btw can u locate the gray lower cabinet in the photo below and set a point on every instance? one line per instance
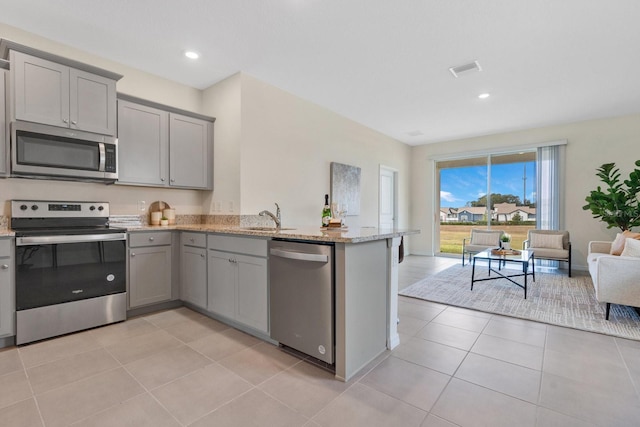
(55, 94)
(238, 280)
(150, 273)
(7, 288)
(159, 147)
(193, 269)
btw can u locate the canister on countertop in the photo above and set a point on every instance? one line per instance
(170, 214)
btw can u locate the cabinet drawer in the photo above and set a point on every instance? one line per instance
(242, 245)
(5, 247)
(154, 238)
(193, 239)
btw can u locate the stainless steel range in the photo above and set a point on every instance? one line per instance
(70, 268)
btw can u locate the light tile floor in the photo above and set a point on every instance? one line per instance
(453, 367)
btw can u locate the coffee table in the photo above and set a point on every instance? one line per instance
(524, 257)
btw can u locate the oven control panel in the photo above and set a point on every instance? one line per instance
(58, 209)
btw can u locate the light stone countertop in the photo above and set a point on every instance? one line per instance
(309, 233)
(356, 235)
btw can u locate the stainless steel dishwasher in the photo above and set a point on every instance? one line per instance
(302, 297)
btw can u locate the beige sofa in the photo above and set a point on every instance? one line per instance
(615, 278)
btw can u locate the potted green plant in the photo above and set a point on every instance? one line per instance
(505, 240)
(617, 205)
(164, 220)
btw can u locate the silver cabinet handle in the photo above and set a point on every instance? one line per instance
(162, 179)
(5, 266)
(133, 254)
(202, 255)
(151, 239)
(192, 240)
(73, 122)
(65, 121)
(173, 180)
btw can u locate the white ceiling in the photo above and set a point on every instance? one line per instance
(381, 63)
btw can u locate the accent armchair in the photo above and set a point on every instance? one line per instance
(616, 279)
(553, 245)
(479, 241)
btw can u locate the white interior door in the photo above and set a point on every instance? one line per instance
(387, 209)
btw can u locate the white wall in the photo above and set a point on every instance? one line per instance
(223, 101)
(590, 144)
(287, 147)
(124, 199)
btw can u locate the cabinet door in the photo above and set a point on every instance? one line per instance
(193, 276)
(252, 292)
(189, 152)
(149, 275)
(4, 136)
(41, 90)
(92, 105)
(143, 144)
(7, 298)
(221, 284)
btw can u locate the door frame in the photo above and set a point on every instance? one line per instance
(394, 173)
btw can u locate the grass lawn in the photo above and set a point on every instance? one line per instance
(451, 235)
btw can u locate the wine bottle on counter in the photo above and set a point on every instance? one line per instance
(326, 212)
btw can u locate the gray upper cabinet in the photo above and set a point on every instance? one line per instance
(189, 152)
(160, 147)
(4, 135)
(143, 138)
(55, 94)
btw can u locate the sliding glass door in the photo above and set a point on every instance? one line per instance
(494, 191)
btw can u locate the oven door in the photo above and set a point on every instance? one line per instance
(57, 269)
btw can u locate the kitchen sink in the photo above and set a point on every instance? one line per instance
(265, 228)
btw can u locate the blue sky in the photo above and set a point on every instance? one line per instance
(461, 185)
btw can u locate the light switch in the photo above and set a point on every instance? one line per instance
(142, 206)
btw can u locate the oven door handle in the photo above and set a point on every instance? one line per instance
(79, 238)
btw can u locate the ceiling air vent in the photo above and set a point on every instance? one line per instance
(465, 69)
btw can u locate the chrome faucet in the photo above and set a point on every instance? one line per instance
(276, 218)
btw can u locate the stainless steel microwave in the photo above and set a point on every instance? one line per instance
(41, 151)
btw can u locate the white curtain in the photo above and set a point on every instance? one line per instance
(550, 188)
(550, 200)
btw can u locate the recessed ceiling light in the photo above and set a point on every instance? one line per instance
(484, 95)
(191, 54)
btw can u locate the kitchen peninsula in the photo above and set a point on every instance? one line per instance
(366, 283)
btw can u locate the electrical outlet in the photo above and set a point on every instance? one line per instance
(142, 205)
(218, 207)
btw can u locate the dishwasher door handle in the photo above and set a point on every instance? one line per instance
(299, 256)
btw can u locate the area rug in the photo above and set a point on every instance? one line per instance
(553, 298)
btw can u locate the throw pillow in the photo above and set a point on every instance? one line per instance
(547, 241)
(485, 239)
(619, 243)
(631, 248)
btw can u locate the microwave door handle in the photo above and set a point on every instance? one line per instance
(102, 156)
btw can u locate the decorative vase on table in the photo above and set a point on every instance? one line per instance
(506, 246)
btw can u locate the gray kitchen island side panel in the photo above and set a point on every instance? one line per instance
(361, 305)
